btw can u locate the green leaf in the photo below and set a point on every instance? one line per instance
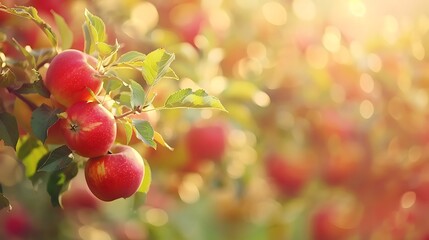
(144, 132)
(31, 13)
(56, 160)
(59, 180)
(65, 32)
(156, 65)
(108, 53)
(138, 96)
(112, 84)
(98, 24)
(140, 195)
(30, 58)
(8, 129)
(130, 57)
(7, 78)
(4, 203)
(171, 74)
(124, 98)
(186, 98)
(94, 32)
(35, 87)
(42, 56)
(30, 150)
(42, 119)
(128, 130)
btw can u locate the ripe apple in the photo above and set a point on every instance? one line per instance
(116, 175)
(89, 129)
(206, 142)
(69, 76)
(287, 175)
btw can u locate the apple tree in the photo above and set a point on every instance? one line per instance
(63, 109)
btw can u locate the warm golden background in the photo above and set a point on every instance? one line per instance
(326, 135)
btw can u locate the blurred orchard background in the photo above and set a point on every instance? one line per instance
(326, 135)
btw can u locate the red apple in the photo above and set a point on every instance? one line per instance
(206, 142)
(70, 75)
(89, 129)
(115, 175)
(287, 175)
(16, 224)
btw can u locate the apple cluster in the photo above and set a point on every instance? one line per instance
(89, 129)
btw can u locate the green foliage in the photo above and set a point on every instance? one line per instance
(138, 96)
(31, 13)
(30, 58)
(30, 150)
(56, 160)
(42, 119)
(65, 32)
(8, 129)
(59, 180)
(144, 132)
(7, 77)
(193, 99)
(156, 65)
(131, 58)
(57, 167)
(35, 87)
(94, 32)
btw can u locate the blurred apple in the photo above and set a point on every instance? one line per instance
(334, 222)
(289, 176)
(206, 141)
(343, 164)
(16, 224)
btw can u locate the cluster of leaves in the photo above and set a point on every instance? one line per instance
(58, 164)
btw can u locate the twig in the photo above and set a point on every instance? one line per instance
(29, 103)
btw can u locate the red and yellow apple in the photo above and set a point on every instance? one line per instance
(70, 76)
(116, 175)
(89, 129)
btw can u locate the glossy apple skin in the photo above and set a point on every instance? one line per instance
(116, 175)
(70, 74)
(206, 142)
(89, 129)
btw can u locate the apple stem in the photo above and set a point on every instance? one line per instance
(29, 103)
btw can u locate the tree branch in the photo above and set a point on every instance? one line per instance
(29, 103)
